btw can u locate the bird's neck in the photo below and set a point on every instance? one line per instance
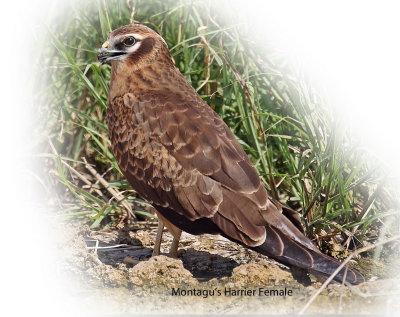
(158, 75)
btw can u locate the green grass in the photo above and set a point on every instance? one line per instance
(304, 156)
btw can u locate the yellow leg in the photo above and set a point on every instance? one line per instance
(173, 251)
(157, 244)
(176, 233)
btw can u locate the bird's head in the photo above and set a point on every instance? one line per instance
(134, 45)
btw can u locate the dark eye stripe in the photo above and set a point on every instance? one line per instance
(146, 45)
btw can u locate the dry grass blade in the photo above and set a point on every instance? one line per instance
(117, 195)
(74, 171)
(82, 178)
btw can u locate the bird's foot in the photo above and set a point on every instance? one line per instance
(172, 254)
(176, 253)
(129, 260)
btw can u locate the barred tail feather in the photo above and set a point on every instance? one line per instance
(292, 253)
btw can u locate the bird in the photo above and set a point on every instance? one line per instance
(180, 156)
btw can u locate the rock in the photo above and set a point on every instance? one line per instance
(261, 273)
(110, 276)
(160, 272)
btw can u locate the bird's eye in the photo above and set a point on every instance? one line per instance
(129, 41)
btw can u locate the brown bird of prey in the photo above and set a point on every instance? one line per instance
(179, 155)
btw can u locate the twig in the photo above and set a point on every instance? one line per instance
(339, 311)
(74, 171)
(364, 213)
(102, 175)
(121, 249)
(107, 186)
(330, 278)
(83, 178)
(116, 246)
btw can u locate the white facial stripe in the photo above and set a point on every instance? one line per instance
(138, 37)
(133, 48)
(141, 37)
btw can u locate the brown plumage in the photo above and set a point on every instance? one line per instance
(178, 154)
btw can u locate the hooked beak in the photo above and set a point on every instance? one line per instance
(106, 54)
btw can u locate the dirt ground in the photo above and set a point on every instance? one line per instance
(113, 272)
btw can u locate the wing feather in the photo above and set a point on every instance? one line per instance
(182, 156)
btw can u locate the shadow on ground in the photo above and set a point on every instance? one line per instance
(203, 265)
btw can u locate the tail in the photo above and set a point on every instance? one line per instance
(289, 252)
